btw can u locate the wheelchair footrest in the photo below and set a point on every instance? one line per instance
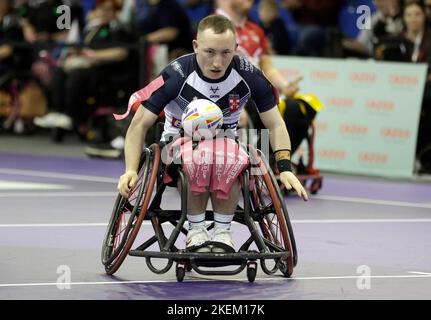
(184, 255)
(195, 260)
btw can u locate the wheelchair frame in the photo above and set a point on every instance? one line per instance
(275, 241)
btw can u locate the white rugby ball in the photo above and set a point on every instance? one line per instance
(201, 118)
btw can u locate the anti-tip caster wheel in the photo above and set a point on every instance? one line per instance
(180, 272)
(251, 271)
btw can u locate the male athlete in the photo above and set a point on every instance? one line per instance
(215, 73)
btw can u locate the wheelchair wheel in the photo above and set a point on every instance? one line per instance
(128, 213)
(274, 222)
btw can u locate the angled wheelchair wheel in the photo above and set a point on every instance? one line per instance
(128, 213)
(274, 222)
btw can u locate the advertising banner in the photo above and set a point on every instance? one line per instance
(370, 120)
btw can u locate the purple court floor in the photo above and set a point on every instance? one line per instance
(358, 238)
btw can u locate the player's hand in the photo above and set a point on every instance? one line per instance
(127, 182)
(291, 181)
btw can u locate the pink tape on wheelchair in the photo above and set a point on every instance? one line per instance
(171, 149)
(230, 161)
(214, 165)
(197, 165)
(141, 95)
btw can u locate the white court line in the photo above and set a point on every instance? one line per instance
(206, 280)
(71, 176)
(360, 220)
(374, 201)
(417, 272)
(57, 175)
(58, 194)
(147, 223)
(109, 194)
(56, 225)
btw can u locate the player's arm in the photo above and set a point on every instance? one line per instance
(135, 137)
(280, 143)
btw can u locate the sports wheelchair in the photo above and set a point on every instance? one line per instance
(262, 210)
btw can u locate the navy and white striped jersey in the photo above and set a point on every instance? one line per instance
(183, 82)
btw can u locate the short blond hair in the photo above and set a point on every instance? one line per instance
(219, 24)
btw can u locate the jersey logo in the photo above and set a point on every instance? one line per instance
(177, 67)
(214, 90)
(233, 102)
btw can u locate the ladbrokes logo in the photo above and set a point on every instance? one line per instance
(363, 77)
(339, 102)
(287, 73)
(320, 126)
(373, 158)
(395, 133)
(403, 80)
(353, 129)
(380, 105)
(332, 154)
(324, 75)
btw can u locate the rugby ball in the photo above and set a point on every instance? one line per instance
(201, 119)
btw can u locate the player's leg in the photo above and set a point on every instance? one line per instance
(197, 233)
(224, 210)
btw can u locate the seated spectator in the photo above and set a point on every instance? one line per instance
(427, 4)
(313, 19)
(102, 64)
(274, 27)
(40, 21)
(419, 36)
(16, 83)
(197, 10)
(165, 22)
(386, 22)
(11, 56)
(414, 45)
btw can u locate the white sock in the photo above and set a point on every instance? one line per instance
(222, 221)
(196, 220)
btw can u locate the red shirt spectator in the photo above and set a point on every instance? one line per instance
(252, 41)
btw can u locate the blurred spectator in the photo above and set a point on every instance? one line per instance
(414, 45)
(253, 44)
(164, 25)
(165, 22)
(97, 70)
(274, 27)
(126, 15)
(313, 18)
(428, 12)
(39, 21)
(419, 36)
(197, 10)
(386, 22)
(11, 57)
(21, 96)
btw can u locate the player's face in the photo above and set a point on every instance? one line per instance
(214, 52)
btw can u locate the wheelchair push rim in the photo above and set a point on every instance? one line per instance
(128, 213)
(274, 224)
